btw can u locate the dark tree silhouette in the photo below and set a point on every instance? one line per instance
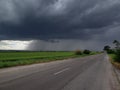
(106, 48)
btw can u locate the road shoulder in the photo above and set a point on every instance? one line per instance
(116, 74)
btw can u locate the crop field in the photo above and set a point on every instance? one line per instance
(8, 59)
(11, 58)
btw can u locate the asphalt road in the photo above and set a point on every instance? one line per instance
(88, 73)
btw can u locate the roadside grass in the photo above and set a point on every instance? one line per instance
(9, 59)
(112, 59)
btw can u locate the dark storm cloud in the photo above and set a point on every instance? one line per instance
(56, 19)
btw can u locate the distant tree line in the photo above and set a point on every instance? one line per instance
(79, 52)
(115, 50)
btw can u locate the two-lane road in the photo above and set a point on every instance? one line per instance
(88, 73)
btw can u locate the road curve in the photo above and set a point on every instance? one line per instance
(88, 73)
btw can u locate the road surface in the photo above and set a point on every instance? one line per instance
(88, 73)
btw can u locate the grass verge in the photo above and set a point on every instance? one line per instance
(112, 59)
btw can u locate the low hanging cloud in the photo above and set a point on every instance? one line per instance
(44, 20)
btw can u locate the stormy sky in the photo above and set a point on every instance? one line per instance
(58, 24)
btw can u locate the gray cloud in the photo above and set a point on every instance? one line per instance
(82, 20)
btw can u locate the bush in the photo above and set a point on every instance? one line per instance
(86, 51)
(110, 51)
(78, 52)
(117, 56)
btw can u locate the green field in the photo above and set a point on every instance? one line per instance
(8, 59)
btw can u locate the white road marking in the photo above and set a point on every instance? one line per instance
(61, 71)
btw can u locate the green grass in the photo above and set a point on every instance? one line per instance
(113, 61)
(9, 59)
(112, 56)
